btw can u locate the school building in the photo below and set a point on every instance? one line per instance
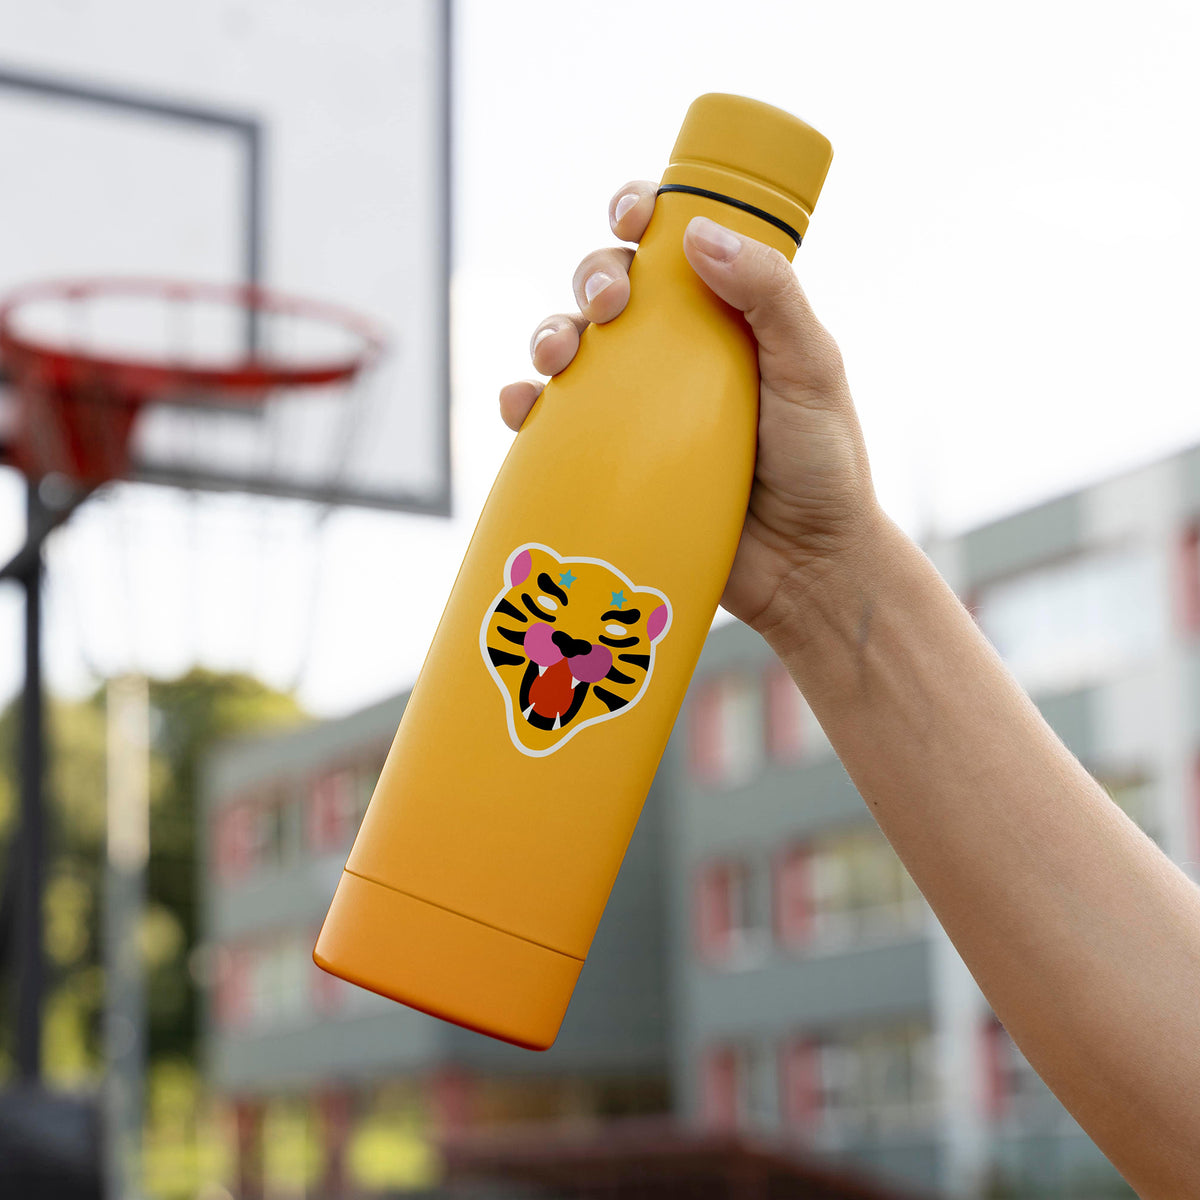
(765, 964)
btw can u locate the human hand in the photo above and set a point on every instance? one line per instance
(812, 503)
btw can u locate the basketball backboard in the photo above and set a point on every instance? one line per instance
(301, 146)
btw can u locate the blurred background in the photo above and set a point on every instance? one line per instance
(222, 647)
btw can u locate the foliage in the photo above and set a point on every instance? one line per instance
(188, 715)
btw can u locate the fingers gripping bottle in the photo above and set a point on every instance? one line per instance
(535, 727)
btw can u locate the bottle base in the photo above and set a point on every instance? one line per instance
(445, 964)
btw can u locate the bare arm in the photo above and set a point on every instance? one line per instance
(1084, 937)
(1082, 934)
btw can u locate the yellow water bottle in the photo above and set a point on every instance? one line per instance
(535, 727)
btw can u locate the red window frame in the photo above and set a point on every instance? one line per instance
(722, 1083)
(231, 995)
(792, 895)
(705, 746)
(713, 913)
(994, 1049)
(326, 992)
(233, 839)
(1187, 579)
(800, 1083)
(786, 737)
(332, 809)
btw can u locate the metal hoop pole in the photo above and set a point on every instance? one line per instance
(31, 966)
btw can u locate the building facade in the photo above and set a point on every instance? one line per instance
(765, 962)
(335, 1090)
(814, 995)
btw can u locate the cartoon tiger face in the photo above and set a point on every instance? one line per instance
(570, 642)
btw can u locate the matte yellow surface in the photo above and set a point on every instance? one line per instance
(640, 454)
(754, 152)
(456, 969)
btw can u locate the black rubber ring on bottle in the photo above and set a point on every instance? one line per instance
(757, 212)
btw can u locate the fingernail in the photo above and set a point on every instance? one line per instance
(595, 283)
(543, 335)
(714, 240)
(623, 205)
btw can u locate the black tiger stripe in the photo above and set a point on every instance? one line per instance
(502, 658)
(611, 702)
(512, 635)
(638, 660)
(548, 585)
(617, 677)
(627, 616)
(511, 610)
(617, 642)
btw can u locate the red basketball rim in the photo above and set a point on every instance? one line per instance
(150, 377)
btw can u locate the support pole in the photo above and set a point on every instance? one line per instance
(31, 967)
(128, 846)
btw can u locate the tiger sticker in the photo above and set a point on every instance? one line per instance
(570, 643)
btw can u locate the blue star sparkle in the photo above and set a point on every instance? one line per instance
(618, 599)
(567, 579)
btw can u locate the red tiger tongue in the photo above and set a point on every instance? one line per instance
(551, 692)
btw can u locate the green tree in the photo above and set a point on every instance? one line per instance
(188, 716)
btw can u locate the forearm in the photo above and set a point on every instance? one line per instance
(1083, 936)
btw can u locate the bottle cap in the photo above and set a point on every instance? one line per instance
(754, 153)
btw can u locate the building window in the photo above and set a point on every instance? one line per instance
(1012, 1086)
(728, 921)
(800, 1084)
(233, 837)
(793, 896)
(1187, 580)
(726, 730)
(327, 993)
(265, 982)
(332, 811)
(366, 776)
(873, 1080)
(270, 831)
(1071, 623)
(725, 1086)
(231, 998)
(898, 1070)
(252, 834)
(787, 717)
(860, 888)
(715, 905)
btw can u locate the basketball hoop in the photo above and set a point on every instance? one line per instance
(87, 356)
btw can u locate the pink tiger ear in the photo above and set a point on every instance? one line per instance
(519, 569)
(656, 622)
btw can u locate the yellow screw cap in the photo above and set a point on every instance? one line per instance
(753, 152)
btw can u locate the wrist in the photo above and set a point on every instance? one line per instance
(827, 602)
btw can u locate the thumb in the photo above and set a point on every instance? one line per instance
(795, 349)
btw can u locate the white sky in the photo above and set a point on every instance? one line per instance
(1004, 250)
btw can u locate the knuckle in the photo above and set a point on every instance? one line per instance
(827, 354)
(820, 363)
